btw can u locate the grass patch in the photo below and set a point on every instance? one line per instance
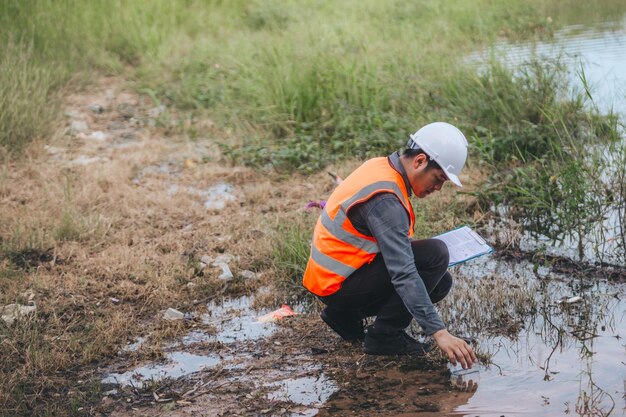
(291, 249)
(307, 83)
(39, 56)
(26, 104)
(550, 154)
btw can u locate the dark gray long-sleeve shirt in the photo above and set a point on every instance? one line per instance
(385, 218)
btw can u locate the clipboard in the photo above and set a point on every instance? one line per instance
(464, 244)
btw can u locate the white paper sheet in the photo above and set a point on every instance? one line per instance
(463, 244)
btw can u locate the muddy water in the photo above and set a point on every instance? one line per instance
(176, 364)
(236, 322)
(570, 358)
(567, 358)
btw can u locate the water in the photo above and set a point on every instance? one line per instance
(308, 390)
(176, 364)
(236, 322)
(563, 359)
(598, 52)
(567, 356)
(554, 375)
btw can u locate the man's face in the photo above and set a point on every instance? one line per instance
(425, 181)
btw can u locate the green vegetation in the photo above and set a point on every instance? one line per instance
(551, 155)
(47, 44)
(291, 252)
(335, 74)
(289, 86)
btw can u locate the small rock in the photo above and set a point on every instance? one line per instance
(226, 274)
(218, 196)
(97, 136)
(223, 258)
(85, 160)
(171, 314)
(114, 300)
(246, 274)
(78, 126)
(206, 259)
(191, 284)
(12, 312)
(53, 150)
(156, 111)
(96, 108)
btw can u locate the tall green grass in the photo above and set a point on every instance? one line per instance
(552, 156)
(328, 78)
(46, 44)
(307, 83)
(292, 246)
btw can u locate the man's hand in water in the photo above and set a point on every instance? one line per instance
(455, 348)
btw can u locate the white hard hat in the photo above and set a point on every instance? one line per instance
(444, 144)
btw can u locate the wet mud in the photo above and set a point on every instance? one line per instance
(568, 357)
(540, 354)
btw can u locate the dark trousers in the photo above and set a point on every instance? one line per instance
(369, 292)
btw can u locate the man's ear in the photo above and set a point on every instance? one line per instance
(420, 161)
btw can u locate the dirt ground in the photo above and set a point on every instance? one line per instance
(124, 211)
(123, 216)
(317, 364)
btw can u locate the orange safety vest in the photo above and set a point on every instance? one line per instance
(338, 249)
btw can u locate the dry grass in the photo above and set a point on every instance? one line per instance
(105, 247)
(82, 237)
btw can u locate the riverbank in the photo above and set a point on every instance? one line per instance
(178, 179)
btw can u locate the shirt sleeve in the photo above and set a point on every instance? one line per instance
(387, 220)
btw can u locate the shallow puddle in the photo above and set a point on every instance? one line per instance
(552, 371)
(568, 358)
(177, 364)
(308, 390)
(235, 320)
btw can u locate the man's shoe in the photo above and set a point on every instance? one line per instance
(395, 343)
(349, 329)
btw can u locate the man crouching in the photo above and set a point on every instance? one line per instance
(363, 261)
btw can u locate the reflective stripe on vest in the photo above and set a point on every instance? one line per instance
(338, 249)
